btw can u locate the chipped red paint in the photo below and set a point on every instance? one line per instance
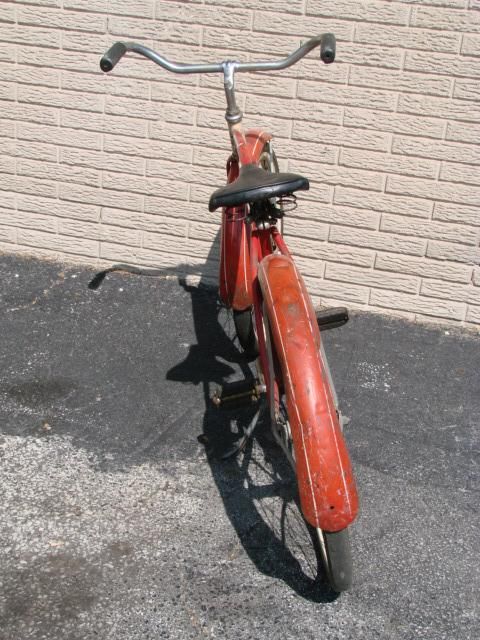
(326, 484)
(282, 247)
(235, 281)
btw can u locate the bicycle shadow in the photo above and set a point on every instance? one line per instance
(257, 487)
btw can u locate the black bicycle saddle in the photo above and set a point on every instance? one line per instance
(254, 184)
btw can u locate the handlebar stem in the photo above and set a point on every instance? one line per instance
(233, 115)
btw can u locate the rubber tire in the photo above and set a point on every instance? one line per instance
(339, 558)
(245, 330)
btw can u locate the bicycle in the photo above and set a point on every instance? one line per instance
(274, 317)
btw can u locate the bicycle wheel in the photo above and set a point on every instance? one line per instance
(333, 548)
(243, 320)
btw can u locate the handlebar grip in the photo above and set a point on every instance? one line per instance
(327, 48)
(113, 55)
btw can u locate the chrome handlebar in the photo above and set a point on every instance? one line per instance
(228, 67)
(119, 49)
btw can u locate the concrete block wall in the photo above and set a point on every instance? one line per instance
(99, 168)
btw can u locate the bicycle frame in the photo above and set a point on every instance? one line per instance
(257, 272)
(252, 273)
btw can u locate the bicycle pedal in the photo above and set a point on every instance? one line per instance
(331, 318)
(237, 394)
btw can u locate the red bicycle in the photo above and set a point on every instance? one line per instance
(274, 317)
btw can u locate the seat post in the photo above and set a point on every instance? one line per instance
(233, 115)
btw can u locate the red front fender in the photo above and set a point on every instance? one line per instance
(235, 269)
(326, 484)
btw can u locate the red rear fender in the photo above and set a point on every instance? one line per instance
(325, 479)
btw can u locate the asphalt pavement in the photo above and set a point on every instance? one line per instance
(118, 518)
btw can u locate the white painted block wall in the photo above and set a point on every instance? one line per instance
(98, 168)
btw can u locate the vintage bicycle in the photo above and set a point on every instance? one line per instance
(274, 317)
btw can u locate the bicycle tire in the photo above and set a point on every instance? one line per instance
(336, 555)
(245, 330)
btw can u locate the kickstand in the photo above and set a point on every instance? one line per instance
(240, 445)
